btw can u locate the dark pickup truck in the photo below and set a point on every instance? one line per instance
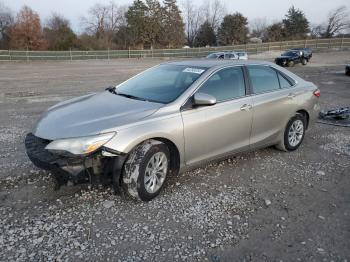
(294, 56)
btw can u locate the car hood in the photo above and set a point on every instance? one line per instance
(284, 56)
(90, 115)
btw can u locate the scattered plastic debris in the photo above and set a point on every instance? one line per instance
(338, 116)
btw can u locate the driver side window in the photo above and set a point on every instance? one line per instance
(225, 84)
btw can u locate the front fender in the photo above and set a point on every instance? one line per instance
(170, 128)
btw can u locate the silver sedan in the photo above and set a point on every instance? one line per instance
(171, 118)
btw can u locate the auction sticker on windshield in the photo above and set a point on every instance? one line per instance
(193, 70)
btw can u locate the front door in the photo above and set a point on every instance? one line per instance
(212, 131)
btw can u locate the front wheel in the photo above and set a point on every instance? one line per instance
(293, 134)
(146, 169)
(290, 63)
(303, 61)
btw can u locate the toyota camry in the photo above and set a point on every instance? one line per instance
(171, 118)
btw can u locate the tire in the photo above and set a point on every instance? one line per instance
(290, 63)
(303, 61)
(287, 143)
(138, 179)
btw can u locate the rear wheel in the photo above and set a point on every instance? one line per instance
(293, 134)
(146, 170)
(290, 63)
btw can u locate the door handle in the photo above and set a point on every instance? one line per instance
(291, 95)
(246, 107)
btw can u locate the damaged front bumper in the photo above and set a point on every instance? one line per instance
(102, 166)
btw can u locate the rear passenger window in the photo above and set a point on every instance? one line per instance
(263, 79)
(284, 82)
(225, 85)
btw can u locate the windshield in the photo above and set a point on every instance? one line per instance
(162, 84)
(215, 55)
(289, 53)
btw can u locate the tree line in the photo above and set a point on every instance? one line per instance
(158, 24)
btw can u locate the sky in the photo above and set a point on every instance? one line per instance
(273, 10)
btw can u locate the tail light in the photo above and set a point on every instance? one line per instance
(317, 93)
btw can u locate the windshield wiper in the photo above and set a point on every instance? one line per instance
(131, 96)
(112, 89)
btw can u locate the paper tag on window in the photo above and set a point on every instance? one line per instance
(193, 70)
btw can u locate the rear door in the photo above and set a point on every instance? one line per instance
(272, 104)
(211, 131)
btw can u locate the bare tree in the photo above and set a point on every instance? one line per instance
(56, 21)
(58, 33)
(6, 21)
(338, 20)
(316, 30)
(104, 20)
(258, 27)
(214, 12)
(193, 20)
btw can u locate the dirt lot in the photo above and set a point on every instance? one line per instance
(264, 205)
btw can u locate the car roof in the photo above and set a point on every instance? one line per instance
(220, 53)
(217, 63)
(299, 48)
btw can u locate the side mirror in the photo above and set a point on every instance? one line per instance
(202, 99)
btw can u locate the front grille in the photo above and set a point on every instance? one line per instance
(280, 61)
(35, 147)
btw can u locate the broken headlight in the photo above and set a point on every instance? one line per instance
(80, 145)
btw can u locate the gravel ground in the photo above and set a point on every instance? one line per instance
(265, 205)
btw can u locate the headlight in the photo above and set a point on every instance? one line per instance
(80, 145)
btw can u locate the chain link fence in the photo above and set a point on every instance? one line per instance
(315, 44)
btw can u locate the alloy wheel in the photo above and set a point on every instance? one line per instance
(155, 172)
(295, 133)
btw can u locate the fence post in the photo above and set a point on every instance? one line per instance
(27, 55)
(305, 43)
(152, 51)
(70, 53)
(129, 52)
(10, 54)
(329, 43)
(341, 42)
(108, 53)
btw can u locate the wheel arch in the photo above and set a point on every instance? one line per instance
(306, 115)
(174, 153)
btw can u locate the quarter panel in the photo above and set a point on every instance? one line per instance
(271, 112)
